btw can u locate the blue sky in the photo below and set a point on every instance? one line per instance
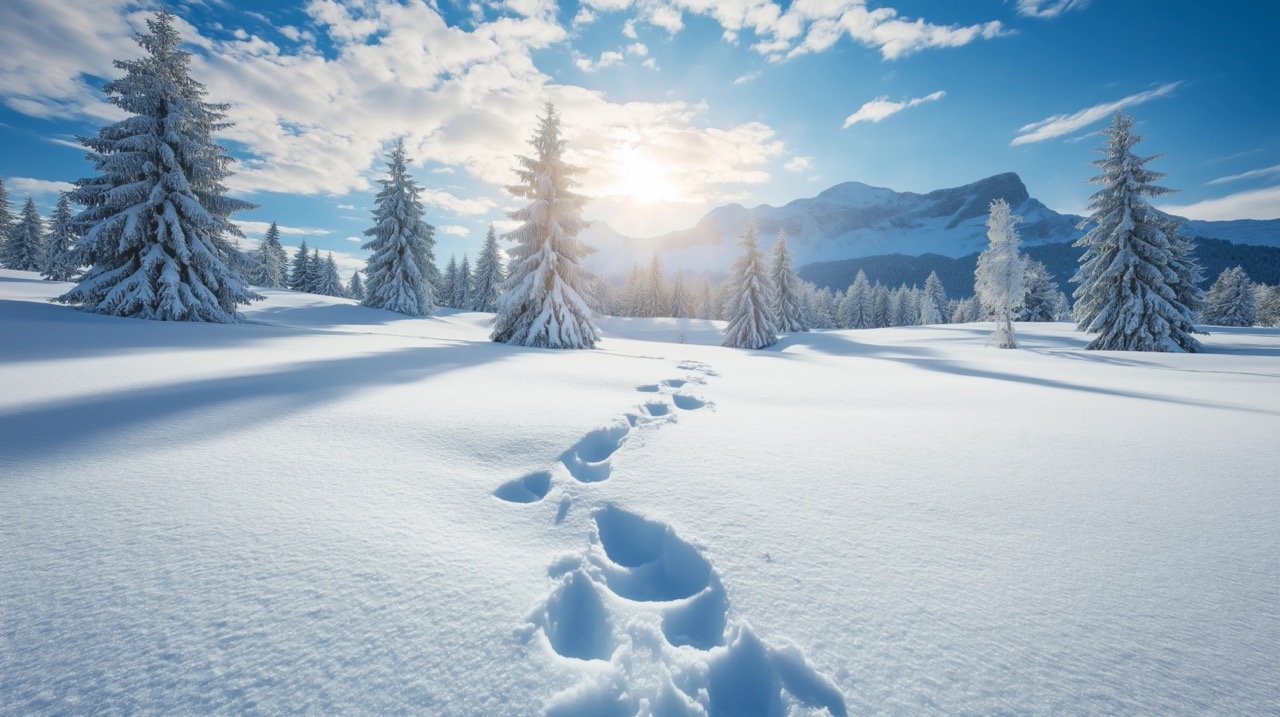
(674, 106)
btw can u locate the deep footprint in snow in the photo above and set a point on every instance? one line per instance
(648, 388)
(529, 489)
(575, 621)
(657, 408)
(646, 561)
(687, 402)
(588, 459)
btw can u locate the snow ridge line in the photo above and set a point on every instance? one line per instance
(644, 612)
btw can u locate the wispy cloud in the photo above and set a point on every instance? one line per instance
(749, 77)
(456, 205)
(881, 108)
(36, 187)
(798, 164)
(1251, 174)
(454, 230)
(253, 227)
(1253, 204)
(1049, 9)
(608, 58)
(1059, 125)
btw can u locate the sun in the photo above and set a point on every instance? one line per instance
(640, 179)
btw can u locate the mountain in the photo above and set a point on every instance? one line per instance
(854, 220)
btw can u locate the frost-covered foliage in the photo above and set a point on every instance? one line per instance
(24, 248)
(59, 256)
(315, 272)
(653, 300)
(857, 311)
(786, 302)
(1041, 298)
(462, 284)
(749, 311)
(486, 285)
(967, 310)
(1137, 277)
(1230, 300)
(999, 277)
(300, 269)
(933, 301)
(542, 302)
(399, 272)
(157, 215)
(6, 219)
(447, 293)
(355, 287)
(1266, 299)
(329, 283)
(271, 259)
(681, 303)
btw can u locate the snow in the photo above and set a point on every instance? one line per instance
(315, 512)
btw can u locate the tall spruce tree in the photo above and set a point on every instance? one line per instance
(1040, 296)
(655, 291)
(752, 324)
(157, 216)
(999, 276)
(788, 309)
(1230, 301)
(487, 284)
(315, 272)
(24, 249)
(542, 302)
(271, 260)
(6, 220)
(447, 296)
(329, 283)
(59, 260)
(462, 285)
(681, 303)
(399, 272)
(857, 310)
(300, 268)
(1135, 275)
(355, 287)
(933, 301)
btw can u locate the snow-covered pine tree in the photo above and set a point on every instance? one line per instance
(59, 259)
(542, 303)
(967, 310)
(157, 215)
(1230, 302)
(24, 249)
(487, 284)
(1134, 274)
(825, 305)
(880, 306)
(315, 272)
(1040, 294)
(447, 296)
(462, 286)
(681, 303)
(933, 302)
(399, 272)
(1266, 299)
(706, 301)
(785, 301)
(329, 283)
(752, 324)
(1062, 308)
(905, 308)
(999, 276)
(271, 259)
(299, 269)
(355, 287)
(6, 219)
(655, 290)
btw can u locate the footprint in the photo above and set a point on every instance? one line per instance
(575, 621)
(700, 621)
(657, 408)
(588, 459)
(687, 402)
(674, 382)
(529, 489)
(648, 388)
(646, 561)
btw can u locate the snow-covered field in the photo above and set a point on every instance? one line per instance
(299, 515)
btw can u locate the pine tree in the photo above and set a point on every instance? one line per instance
(967, 310)
(447, 295)
(681, 303)
(329, 283)
(315, 272)
(706, 301)
(355, 288)
(933, 302)
(1230, 300)
(462, 287)
(880, 306)
(300, 267)
(542, 303)
(1134, 275)
(856, 311)
(400, 270)
(999, 276)
(24, 249)
(6, 221)
(785, 299)
(1040, 297)
(655, 291)
(487, 283)
(752, 324)
(60, 262)
(157, 215)
(271, 260)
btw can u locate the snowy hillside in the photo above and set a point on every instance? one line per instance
(853, 220)
(339, 510)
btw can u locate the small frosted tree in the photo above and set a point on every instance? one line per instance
(487, 283)
(999, 276)
(330, 284)
(681, 302)
(24, 249)
(1230, 301)
(933, 302)
(6, 220)
(157, 216)
(355, 287)
(462, 285)
(447, 295)
(300, 268)
(856, 312)
(398, 275)
(315, 272)
(706, 301)
(271, 260)
(59, 260)
(749, 310)
(542, 302)
(654, 301)
(1040, 296)
(1136, 277)
(786, 302)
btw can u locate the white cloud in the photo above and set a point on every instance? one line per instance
(36, 187)
(629, 29)
(584, 17)
(1059, 125)
(638, 49)
(798, 164)
(454, 230)
(456, 205)
(254, 227)
(882, 107)
(1251, 174)
(749, 77)
(355, 239)
(348, 207)
(1049, 9)
(650, 64)
(607, 59)
(1253, 204)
